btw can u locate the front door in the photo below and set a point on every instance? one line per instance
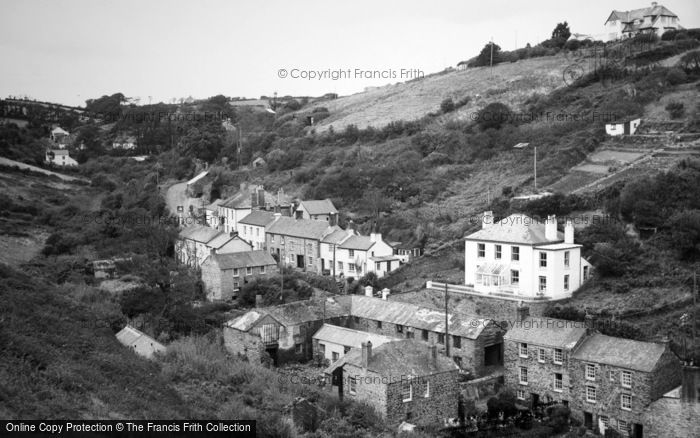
(638, 431)
(588, 420)
(300, 261)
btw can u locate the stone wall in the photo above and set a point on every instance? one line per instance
(441, 403)
(288, 246)
(244, 344)
(671, 417)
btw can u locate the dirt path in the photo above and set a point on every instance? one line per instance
(176, 196)
(7, 162)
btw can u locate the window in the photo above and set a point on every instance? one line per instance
(351, 267)
(351, 253)
(585, 272)
(457, 360)
(298, 348)
(590, 371)
(558, 356)
(322, 348)
(523, 376)
(335, 356)
(498, 251)
(311, 261)
(520, 394)
(441, 338)
(590, 394)
(353, 384)
(272, 238)
(406, 391)
(626, 402)
(515, 253)
(399, 328)
(379, 324)
(291, 245)
(626, 379)
(346, 350)
(262, 269)
(622, 427)
(409, 333)
(427, 390)
(514, 277)
(566, 259)
(236, 273)
(605, 420)
(424, 335)
(566, 282)
(310, 248)
(340, 266)
(540, 355)
(481, 250)
(543, 259)
(249, 270)
(523, 350)
(236, 285)
(543, 284)
(257, 231)
(456, 342)
(377, 266)
(558, 382)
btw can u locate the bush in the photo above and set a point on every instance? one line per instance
(676, 76)
(447, 105)
(676, 110)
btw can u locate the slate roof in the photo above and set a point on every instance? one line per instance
(305, 228)
(516, 228)
(349, 337)
(291, 314)
(638, 14)
(140, 342)
(362, 243)
(243, 199)
(60, 152)
(547, 332)
(258, 218)
(336, 237)
(199, 233)
(198, 177)
(323, 206)
(246, 321)
(399, 358)
(222, 239)
(244, 259)
(619, 352)
(411, 315)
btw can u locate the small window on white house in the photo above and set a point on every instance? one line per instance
(543, 284)
(523, 349)
(515, 253)
(626, 402)
(566, 282)
(481, 250)
(498, 251)
(351, 267)
(406, 391)
(566, 259)
(236, 272)
(523, 376)
(543, 259)
(514, 277)
(351, 253)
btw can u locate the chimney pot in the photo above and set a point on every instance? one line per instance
(366, 353)
(569, 232)
(369, 291)
(385, 293)
(550, 228)
(487, 219)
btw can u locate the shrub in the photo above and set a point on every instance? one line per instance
(676, 110)
(447, 105)
(676, 76)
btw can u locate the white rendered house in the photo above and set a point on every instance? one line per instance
(519, 256)
(353, 255)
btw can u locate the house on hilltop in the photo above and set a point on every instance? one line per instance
(655, 19)
(60, 157)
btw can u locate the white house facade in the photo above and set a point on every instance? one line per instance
(346, 253)
(519, 256)
(655, 19)
(252, 227)
(197, 242)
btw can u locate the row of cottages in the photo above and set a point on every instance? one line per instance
(196, 243)
(404, 380)
(285, 332)
(230, 211)
(520, 256)
(607, 382)
(346, 253)
(655, 19)
(475, 344)
(297, 242)
(223, 275)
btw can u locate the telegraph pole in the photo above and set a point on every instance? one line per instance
(491, 64)
(447, 321)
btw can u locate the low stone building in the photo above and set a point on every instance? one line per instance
(404, 380)
(614, 380)
(223, 275)
(475, 343)
(284, 332)
(139, 342)
(537, 354)
(332, 342)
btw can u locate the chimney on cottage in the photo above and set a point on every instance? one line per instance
(258, 300)
(254, 199)
(589, 323)
(233, 234)
(569, 232)
(385, 293)
(487, 219)
(522, 312)
(351, 226)
(550, 228)
(375, 237)
(280, 195)
(261, 196)
(366, 353)
(653, 4)
(690, 384)
(369, 291)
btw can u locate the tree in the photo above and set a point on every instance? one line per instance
(493, 115)
(676, 110)
(447, 105)
(561, 31)
(203, 144)
(690, 62)
(491, 51)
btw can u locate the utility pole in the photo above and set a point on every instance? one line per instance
(447, 320)
(491, 64)
(535, 169)
(334, 278)
(695, 302)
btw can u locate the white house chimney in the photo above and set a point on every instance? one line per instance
(375, 237)
(487, 219)
(385, 293)
(369, 291)
(550, 228)
(569, 232)
(366, 353)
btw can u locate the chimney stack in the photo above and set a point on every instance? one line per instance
(254, 199)
(550, 228)
(351, 226)
(369, 291)
(385, 293)
(375, 237)
(523, 312)
(569, 232)
(261, 197)
(487, 219)
(366, 353)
